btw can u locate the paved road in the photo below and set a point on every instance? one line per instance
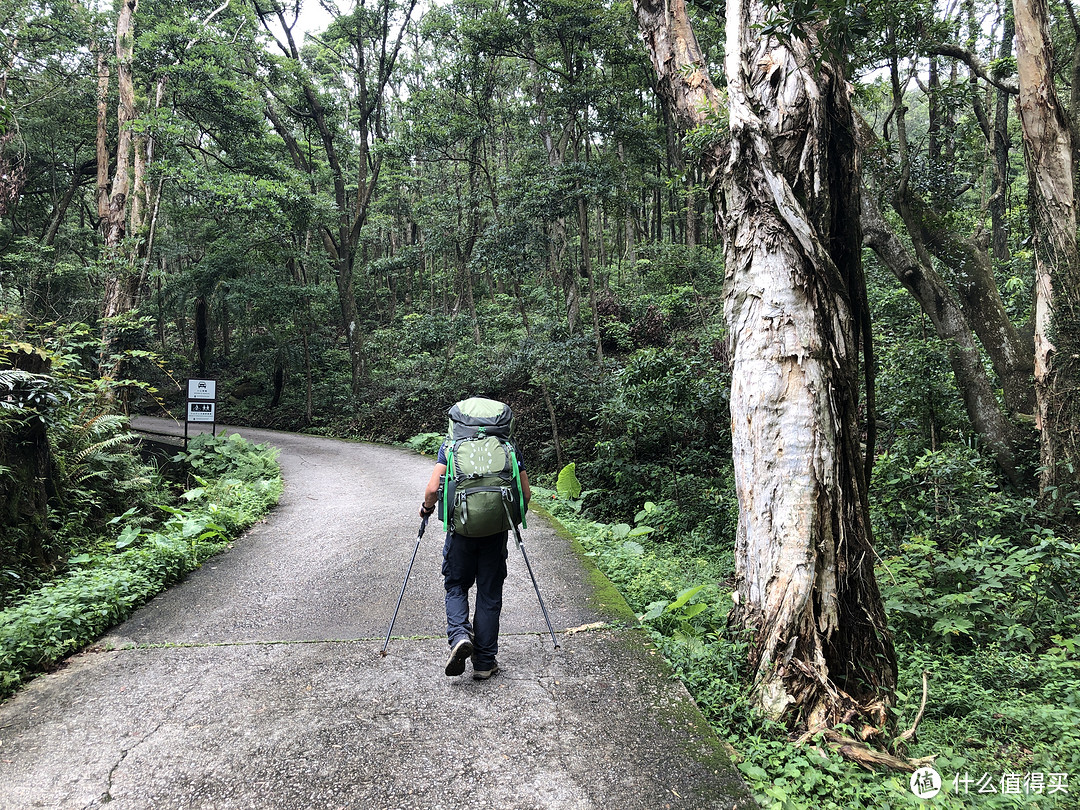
(257, 682)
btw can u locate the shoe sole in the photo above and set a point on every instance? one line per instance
(485, 674)
(455, 665)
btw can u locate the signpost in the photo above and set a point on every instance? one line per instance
(200, 411)
(201, 405)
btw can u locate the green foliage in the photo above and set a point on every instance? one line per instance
(996, 711)
(99, 473)
(1017, 593)
(950, 496)
(426, 443)
(467, 268)
(996, 706)
(568, 485)
(104, 587)
(918, 404)
(668, 587)
(966, 562)
(216, 456)
(664, 437)
(67, 464)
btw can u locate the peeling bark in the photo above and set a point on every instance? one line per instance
(795, 304)
(1049, 156)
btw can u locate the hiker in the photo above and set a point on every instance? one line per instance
(483, 492)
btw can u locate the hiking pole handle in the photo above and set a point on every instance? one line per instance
(420, 534)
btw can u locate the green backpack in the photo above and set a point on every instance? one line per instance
(481, 492)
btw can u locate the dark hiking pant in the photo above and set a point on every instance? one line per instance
(480, 561)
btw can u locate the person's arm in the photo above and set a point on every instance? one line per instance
(431, 491)
(525, 491)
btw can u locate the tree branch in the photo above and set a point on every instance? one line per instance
(907, 735)
(976, 65)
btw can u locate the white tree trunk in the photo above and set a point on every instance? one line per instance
(794, 304)
(1049, 156)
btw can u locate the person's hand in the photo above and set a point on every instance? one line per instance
(427, 511)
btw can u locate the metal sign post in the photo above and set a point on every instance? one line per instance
(201, 405)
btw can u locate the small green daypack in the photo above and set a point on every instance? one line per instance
(482, 486)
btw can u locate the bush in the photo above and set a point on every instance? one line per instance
(426, 443)
(965, 562)
(664, 437)
(1018, 593)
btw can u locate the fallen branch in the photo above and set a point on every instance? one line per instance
(858, 751)
(907, 735)
(864, 755)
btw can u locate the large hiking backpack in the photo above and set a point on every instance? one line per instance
(482, 487)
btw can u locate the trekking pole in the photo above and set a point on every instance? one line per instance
(423, 525)
(521, 548)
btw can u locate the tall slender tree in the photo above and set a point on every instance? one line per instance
(363, 47)
(1049, 153)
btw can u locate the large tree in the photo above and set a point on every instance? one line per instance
(1049, 153)
(787, 178)
(346, 115)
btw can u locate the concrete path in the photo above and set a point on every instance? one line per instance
(257, 682)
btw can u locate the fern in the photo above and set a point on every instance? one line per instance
(21, 391)
(99, 451)
(92, 446)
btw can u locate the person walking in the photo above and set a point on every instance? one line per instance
(482, 488)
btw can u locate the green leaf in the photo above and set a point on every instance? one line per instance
(654, 611)
(128, 536)
(951, 626)
(122, 517)
(685, 596)
(568, 485)
(690, 611)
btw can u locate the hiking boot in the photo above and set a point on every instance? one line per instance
(459, 653)
(484, 674)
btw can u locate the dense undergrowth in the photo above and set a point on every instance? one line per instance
(90, 527)
(977, 583)
(226, 485)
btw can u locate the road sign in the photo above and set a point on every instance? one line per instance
(201, 411)
(202, 389)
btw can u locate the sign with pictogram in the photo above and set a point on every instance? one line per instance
(201, 411)
(202, 389)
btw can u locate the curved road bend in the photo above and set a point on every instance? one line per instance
(257, 682)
